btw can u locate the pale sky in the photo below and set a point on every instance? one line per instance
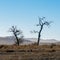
(24, 14)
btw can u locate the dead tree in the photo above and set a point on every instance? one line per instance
(41, 24)
(16, 33)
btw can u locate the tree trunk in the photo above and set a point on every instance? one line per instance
(38, 38)
(39, 34)
(17, 39)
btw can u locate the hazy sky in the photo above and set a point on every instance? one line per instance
(24, 14)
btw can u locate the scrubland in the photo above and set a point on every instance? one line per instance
(30, 52)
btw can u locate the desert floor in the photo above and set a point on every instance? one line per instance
(30, 52)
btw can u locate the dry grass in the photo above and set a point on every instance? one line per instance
(30, 52)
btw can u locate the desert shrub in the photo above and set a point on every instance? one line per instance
(34, 43)
(52, 50)
(1, 46)
(10, 51)
(22, 50)
(52, 45)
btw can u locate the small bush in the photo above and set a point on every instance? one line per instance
(52, 45)
(52, 50)
(10, 51)
(1, 46)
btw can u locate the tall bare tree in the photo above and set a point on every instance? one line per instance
(41, 24)
(16, 33)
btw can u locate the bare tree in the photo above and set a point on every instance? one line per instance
(41, 24)
(16, 33)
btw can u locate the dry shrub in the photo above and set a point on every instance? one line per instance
(30, 48)
(52, 50)
(1, 46)
(10, 51)
(52, 45)
(34, 43)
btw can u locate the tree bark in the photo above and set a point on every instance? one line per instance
(38, 38)
(39, 34)
(17, 39)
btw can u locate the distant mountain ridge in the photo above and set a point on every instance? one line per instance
(11, 39)
(45, 41)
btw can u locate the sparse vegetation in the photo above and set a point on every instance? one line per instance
(16, 33)
(41, 24)
(30, 52)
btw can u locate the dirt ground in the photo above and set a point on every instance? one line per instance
(30, 52)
